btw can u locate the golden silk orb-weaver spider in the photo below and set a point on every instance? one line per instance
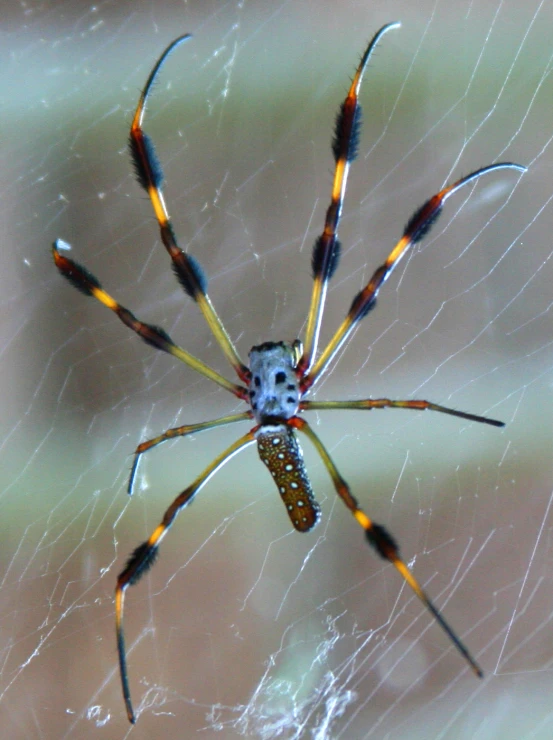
(280, 374)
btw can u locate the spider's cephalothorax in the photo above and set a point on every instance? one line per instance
(280, 374)
(274, 390)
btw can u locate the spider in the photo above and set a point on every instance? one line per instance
(280, 374)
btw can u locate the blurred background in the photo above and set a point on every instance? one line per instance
(245, 628)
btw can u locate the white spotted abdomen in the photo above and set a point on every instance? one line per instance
(280, 451)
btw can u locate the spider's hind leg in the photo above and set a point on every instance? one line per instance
(381, 540)
(144, 556)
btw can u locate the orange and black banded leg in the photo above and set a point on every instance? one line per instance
(156, 337)
(417, 228)
(381, 540)
(367, 404)
(326, 251)
(145, 555)
(187, 269)
(181, 431)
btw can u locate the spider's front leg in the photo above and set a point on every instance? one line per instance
(85, 282)
(417, 228)
(327, 248)
(149, 174)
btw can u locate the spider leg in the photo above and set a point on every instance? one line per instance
(381, 540)
(150, 176)
(417, 228)
(181, 431)
(145, 555)
(84, 281)
(326, 250)
(367, 404)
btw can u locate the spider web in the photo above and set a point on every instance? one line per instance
(244, 628)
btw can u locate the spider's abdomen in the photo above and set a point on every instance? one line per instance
(280, 451)
(274, 389)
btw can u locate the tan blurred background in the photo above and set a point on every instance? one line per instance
(245, 628)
